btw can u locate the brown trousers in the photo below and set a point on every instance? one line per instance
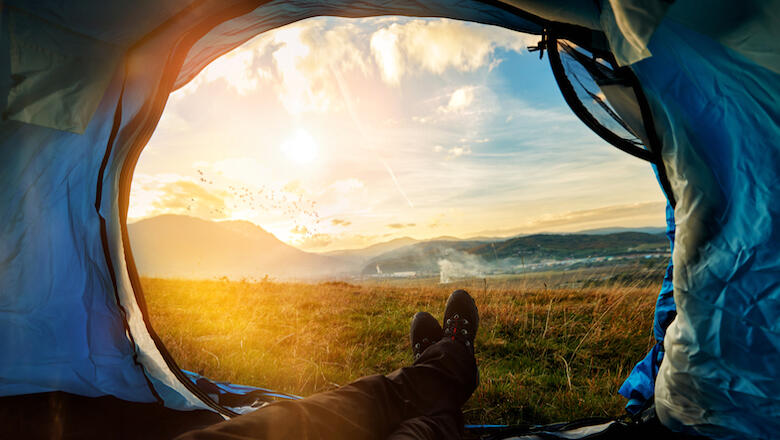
(418, 402)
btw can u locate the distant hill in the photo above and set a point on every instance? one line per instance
(645, 229)
(418, 257)
(426, 257)
(176, 246)
(375, 249)
(554, 246)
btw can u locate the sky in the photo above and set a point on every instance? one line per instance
(338, 133)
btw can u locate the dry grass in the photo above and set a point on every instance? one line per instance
(544, 355)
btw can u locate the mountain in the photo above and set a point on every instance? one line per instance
(503, 254)
(555, 246)
(419, 257)
(645, 229)
(176, 246)
(375, 249)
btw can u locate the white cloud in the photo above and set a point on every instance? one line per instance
(457, 151)
(297, 61)
(346, 186)
(437, 45)
(305, 61)
(460, 99)
(387, 53)
(237, 68)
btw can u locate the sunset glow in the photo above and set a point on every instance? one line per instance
(335, 133)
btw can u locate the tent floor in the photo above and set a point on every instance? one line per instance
(591, 429)
(64, 416)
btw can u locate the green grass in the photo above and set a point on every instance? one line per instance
(544, 354)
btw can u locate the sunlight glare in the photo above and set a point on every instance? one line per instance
(301, 148)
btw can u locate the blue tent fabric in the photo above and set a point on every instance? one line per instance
(231, 395)
(639, 387)
(665, 310)
(718, 117)
(63, 333)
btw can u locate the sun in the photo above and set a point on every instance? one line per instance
(301, 148)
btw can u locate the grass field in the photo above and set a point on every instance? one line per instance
(546, 352)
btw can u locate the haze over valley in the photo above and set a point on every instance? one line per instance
(177, 246)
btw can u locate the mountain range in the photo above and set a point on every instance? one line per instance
(176, 246)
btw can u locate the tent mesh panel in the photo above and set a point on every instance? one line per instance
(586, 74)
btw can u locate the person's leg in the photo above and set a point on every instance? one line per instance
(447, 425)
(461, 321)
(439, 382)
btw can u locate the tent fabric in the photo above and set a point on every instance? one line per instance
(62, 59)
(239, 398)
(629, 25)
(748, 27)
(718, 118)
(639, 387)
(77, 114)
(61, 76)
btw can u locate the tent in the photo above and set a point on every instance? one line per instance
(692, 89)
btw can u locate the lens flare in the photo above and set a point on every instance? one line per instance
(301, 148)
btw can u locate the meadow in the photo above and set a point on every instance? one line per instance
(551, 346)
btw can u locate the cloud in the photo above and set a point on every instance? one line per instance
(300, 230)
(294, 187)
(436, 221)
(615, 214)
(159, 195)
(457, 151)
(437, 45)
(304, 62)
(340, 222)
(387, 53)
(309, 59)
(459, 100)
(626, 215)
(315, 241)
(297, 61)
(346, 186)
(401, 225)
(240, 69)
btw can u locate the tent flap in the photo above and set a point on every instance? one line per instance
(718, 121)
(58, 76)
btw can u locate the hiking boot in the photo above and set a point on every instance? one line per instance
(425, 332)
(461, 318)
